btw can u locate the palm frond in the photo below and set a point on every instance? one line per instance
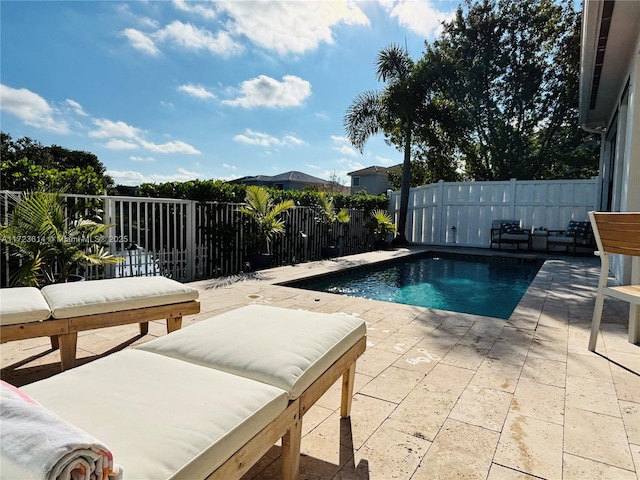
(362, 119)
(393, 64)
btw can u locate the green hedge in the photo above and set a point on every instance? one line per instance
(220, 191)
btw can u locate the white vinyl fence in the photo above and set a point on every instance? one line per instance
(460, 213)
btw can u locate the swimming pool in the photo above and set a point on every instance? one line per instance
(481, 285)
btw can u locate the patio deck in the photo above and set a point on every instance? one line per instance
(442, 394)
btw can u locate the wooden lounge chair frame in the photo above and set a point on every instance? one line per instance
(64, 331)
(616, 233)
(288, 425)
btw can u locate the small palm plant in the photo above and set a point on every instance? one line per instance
(49, 246)
(266, 215)
(330, 217)
(382, 226)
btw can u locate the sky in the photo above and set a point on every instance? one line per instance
(179, 90)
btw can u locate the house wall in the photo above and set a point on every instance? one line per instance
(621, 150)
(373, 184)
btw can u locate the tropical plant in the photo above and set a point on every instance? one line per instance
(330, 216)
(395, 109)
(49, 245)
(382, 224)
(266, 215)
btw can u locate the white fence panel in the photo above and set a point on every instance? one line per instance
(461, 212)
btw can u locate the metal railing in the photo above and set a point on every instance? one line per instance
(188, 240)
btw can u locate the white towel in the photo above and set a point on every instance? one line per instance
(37, 444)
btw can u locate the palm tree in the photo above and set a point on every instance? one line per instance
(394, 109)
(49, 245)
(266, 215)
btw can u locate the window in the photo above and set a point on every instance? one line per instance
(356, 181)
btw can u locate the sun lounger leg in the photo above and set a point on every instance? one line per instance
(68, 345)
(144, 328)
(174, 324)
(291, 451)
(347, 391)
(55, 344)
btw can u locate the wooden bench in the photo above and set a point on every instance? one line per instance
(60, 311)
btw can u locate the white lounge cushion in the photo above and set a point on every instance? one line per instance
(162, 418)
(113, 295)
(286, 348)
(22, 305)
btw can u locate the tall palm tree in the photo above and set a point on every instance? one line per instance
(395, 109)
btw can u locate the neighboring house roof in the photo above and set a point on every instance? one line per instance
(374, 170)
(292, 176)
(299, 177)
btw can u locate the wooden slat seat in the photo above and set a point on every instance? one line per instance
(616, 233)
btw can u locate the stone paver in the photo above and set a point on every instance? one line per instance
(441, 394)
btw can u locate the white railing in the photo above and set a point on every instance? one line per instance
(189, 240)
(460, 213)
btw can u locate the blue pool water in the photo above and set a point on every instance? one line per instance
(491, 287)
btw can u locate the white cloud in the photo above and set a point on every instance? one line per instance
(125, 11)
(175, 146)
(108, 128)
(420, 17)
(142, 159)
(32, 109)
(291, 27)
(196, 91)
(76, 107)
(117, 144)
(191, 37)
(117, 131)
(343, 145)
(350, 164)
(256, 138)
(264, 91)
(265, 140)
(184, 35)
(197, 9)
(386, 161)
(131, 177)
(141, 41)
(291, 140)
(226, 165)
(346, 150)
(166, 104)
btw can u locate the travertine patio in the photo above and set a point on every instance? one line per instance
(442, 394)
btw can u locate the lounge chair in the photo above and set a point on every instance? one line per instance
(210, 402)
(616, 233)
(577, 235)
(509, 232)
(62, 310)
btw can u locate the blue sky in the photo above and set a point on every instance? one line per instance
(177, 90)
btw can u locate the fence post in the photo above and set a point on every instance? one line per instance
(512, 187)
(439, 205)
(191, 240)
(111, 232)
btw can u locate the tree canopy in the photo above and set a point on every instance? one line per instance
(512, 70)
(500, 96)
(29, 165)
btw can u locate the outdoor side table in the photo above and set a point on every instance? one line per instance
(539, 240)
